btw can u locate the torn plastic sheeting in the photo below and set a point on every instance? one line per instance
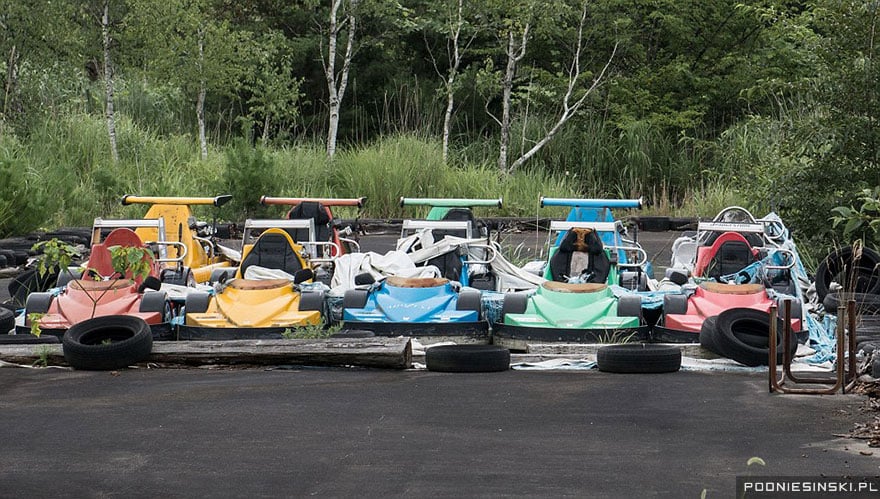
(556, 365)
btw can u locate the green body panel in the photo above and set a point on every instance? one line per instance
(559, 309)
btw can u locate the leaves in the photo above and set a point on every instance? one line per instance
(131, 261)
(55, 254)
(755, 460)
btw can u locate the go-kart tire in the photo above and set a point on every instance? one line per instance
(639, 358)
(796, 308)
(355, 298)
(675, 304)
(868, 304)
(222, 274)
(311, 300)
(738, 325)
(130, 342)
(154, 301)
(7, 320)
(67, 275)
(353, 333)
(866, 270)
(197, 303)
(514, 303)
(467, 358)
(708, 331)
(38, 303)
(629, 306)
(469, 300)
(183, 277)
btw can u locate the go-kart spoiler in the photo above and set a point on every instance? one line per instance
(216, 201)
(450, 202)
(359, 202)
(593, 203)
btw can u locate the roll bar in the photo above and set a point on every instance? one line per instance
(359, 202)
(593, 203)
(450, 202)
(216, 201)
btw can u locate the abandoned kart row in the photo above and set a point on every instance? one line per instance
(448, 280)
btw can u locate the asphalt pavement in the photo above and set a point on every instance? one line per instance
(366, 433)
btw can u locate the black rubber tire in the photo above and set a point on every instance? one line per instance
(467, 358)
(470, 300)
(514, 303)
(353, 333)
(154, 301)
(638, 358)
(217, 275)
(311, 300)
(355, 298)
(708, 332)
(10, 257)
(30, 281)
(67, 275)
(675, 304)
(184, 277)
(868, 346)
(38, 303)
(875, 366)
(866, 269)
(197, 303)
(868, 304)
(130, 342)
(734, 323)
(7, 320)
(796, 308)
(629, 306)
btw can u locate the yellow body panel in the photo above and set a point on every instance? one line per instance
(255, 308)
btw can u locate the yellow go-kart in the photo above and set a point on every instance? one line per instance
(202, 254)
(264, 297)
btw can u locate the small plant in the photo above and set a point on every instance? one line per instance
(310, 332)
(35, 323)
(131, 261)
(43, 352)
(55, 254)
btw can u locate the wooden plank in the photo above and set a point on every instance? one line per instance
(386, 353)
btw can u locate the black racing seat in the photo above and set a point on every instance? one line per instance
(581, 252)
(310, 210)
(450, 263)
(731, 257)
(272, 251)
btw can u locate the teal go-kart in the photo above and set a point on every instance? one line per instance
(581, 301)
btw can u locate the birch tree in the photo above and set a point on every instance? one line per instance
(108, 81)
(337, 80)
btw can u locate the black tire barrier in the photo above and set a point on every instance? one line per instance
(27, 339)
(743, 334)
(467, 358)
(639, 358)
(865, 303)
(107, 343)
(860, 276)
(7, 320)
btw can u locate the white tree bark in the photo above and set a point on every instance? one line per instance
(200, 102)
(568, 108)
(108, 81)
(516, 50)
(336, 83)
(454, 63)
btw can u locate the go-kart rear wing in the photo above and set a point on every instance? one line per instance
(311, 245)
(450, 202)
(593, 203)
(136, 223)
(216, 201)
(359, 202)
(607, 227)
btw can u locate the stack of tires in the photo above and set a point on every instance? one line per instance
(856, 273)
(743, 335)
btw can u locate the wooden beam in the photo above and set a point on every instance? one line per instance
(386, 353)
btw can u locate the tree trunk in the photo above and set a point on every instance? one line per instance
(454, 62)
(108, 81)
(10, 102)
(515, 52)
(200, 103)
(336, 83)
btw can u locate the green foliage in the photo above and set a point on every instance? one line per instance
(131, 262)
(43, 352)
(54, 253)
(862, 222)
(22, 197)
(249, 173)
(312, 331)
(34, 319)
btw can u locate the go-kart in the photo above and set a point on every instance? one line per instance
(326, 228)
(734, 261)
(576, 304)
(103, 287)
(203, 254)
(263, 297)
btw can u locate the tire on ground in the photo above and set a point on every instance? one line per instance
(862, 276)
(467, 358)
(7, 320)
(738, 326)
(708, 331)
(639, 358)
(866, 303)
(108, 342)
